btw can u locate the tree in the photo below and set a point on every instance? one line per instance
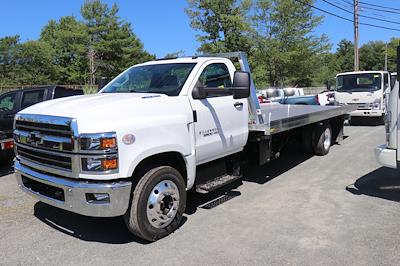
(112, 46)
(345, 56)
(285, 50)
(372, 56)
(223, 23)
(392, 54)
(69, 39)
(8, 49)
(35, 63)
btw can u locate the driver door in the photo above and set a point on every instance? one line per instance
(222, 122)
(8, 108)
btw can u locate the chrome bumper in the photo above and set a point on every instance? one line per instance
(369, 113)
(76, 193)
(386, 157)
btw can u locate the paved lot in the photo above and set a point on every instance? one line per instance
(335, 210)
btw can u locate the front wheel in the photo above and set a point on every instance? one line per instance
(157, 204)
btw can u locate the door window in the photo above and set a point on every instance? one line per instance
(215, 76)
(31, 97)
(7, 102)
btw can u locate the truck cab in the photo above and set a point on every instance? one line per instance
(365, 90)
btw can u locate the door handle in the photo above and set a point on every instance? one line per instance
(238, 104)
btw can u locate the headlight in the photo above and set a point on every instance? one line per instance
(97, 142)
(101, 152)
(376, 106)
(99, 164)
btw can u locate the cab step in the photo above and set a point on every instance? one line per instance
(216, 183)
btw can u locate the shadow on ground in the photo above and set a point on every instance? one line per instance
(104, 230)
(366, 121)
(382, 183)
(113, 230)
(6, 168)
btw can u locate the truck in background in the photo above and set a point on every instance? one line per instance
(365, 90)
(16, 100)
(157, 130)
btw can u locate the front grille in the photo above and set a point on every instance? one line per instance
(43, 189)
(44, 158)
(44, 128)
(362, 106)
(45, 140)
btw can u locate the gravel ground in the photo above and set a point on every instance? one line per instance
(339, 209)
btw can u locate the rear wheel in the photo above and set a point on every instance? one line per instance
(317, 139)
(323, 139)
(157, 204)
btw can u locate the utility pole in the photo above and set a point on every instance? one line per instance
(356, 54)
(386, 58)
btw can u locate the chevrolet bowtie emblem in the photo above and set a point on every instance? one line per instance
(34, 139)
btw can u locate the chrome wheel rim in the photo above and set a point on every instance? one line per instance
(327, 138)
(162, 204)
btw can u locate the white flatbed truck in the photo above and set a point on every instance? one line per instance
(157, 130)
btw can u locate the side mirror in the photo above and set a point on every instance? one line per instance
(199, 93)
(239, 90)
(241, 85)
(102, 82)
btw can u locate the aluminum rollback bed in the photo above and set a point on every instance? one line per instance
(275, 118)
(282, 117)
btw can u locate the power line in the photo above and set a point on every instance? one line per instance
(380, 10)
(372, 12)
(344, 18)
(365, 6)
(364, 3)
(364, 16)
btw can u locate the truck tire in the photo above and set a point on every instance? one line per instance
(322, 139)
(157, 204)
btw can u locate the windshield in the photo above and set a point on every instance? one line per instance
(162, 78)
(359, 82)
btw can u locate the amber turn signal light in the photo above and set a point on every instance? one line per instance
(108, 143)
(109, 164)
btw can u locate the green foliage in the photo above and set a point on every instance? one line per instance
(222, 22)
(372, 56)
(277, 35)
(35, 63)
(68, 37)
(112, 45)
(8, 49)
(345, 56)
(70, 51)
(392, 54)
(27, 63)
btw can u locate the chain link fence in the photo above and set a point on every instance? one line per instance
(88, 89)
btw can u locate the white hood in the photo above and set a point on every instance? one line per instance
(103, 112)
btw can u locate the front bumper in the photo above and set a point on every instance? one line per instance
(369, 113)
(76, 193)
(386, 157)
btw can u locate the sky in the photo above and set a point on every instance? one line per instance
(164, 27)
